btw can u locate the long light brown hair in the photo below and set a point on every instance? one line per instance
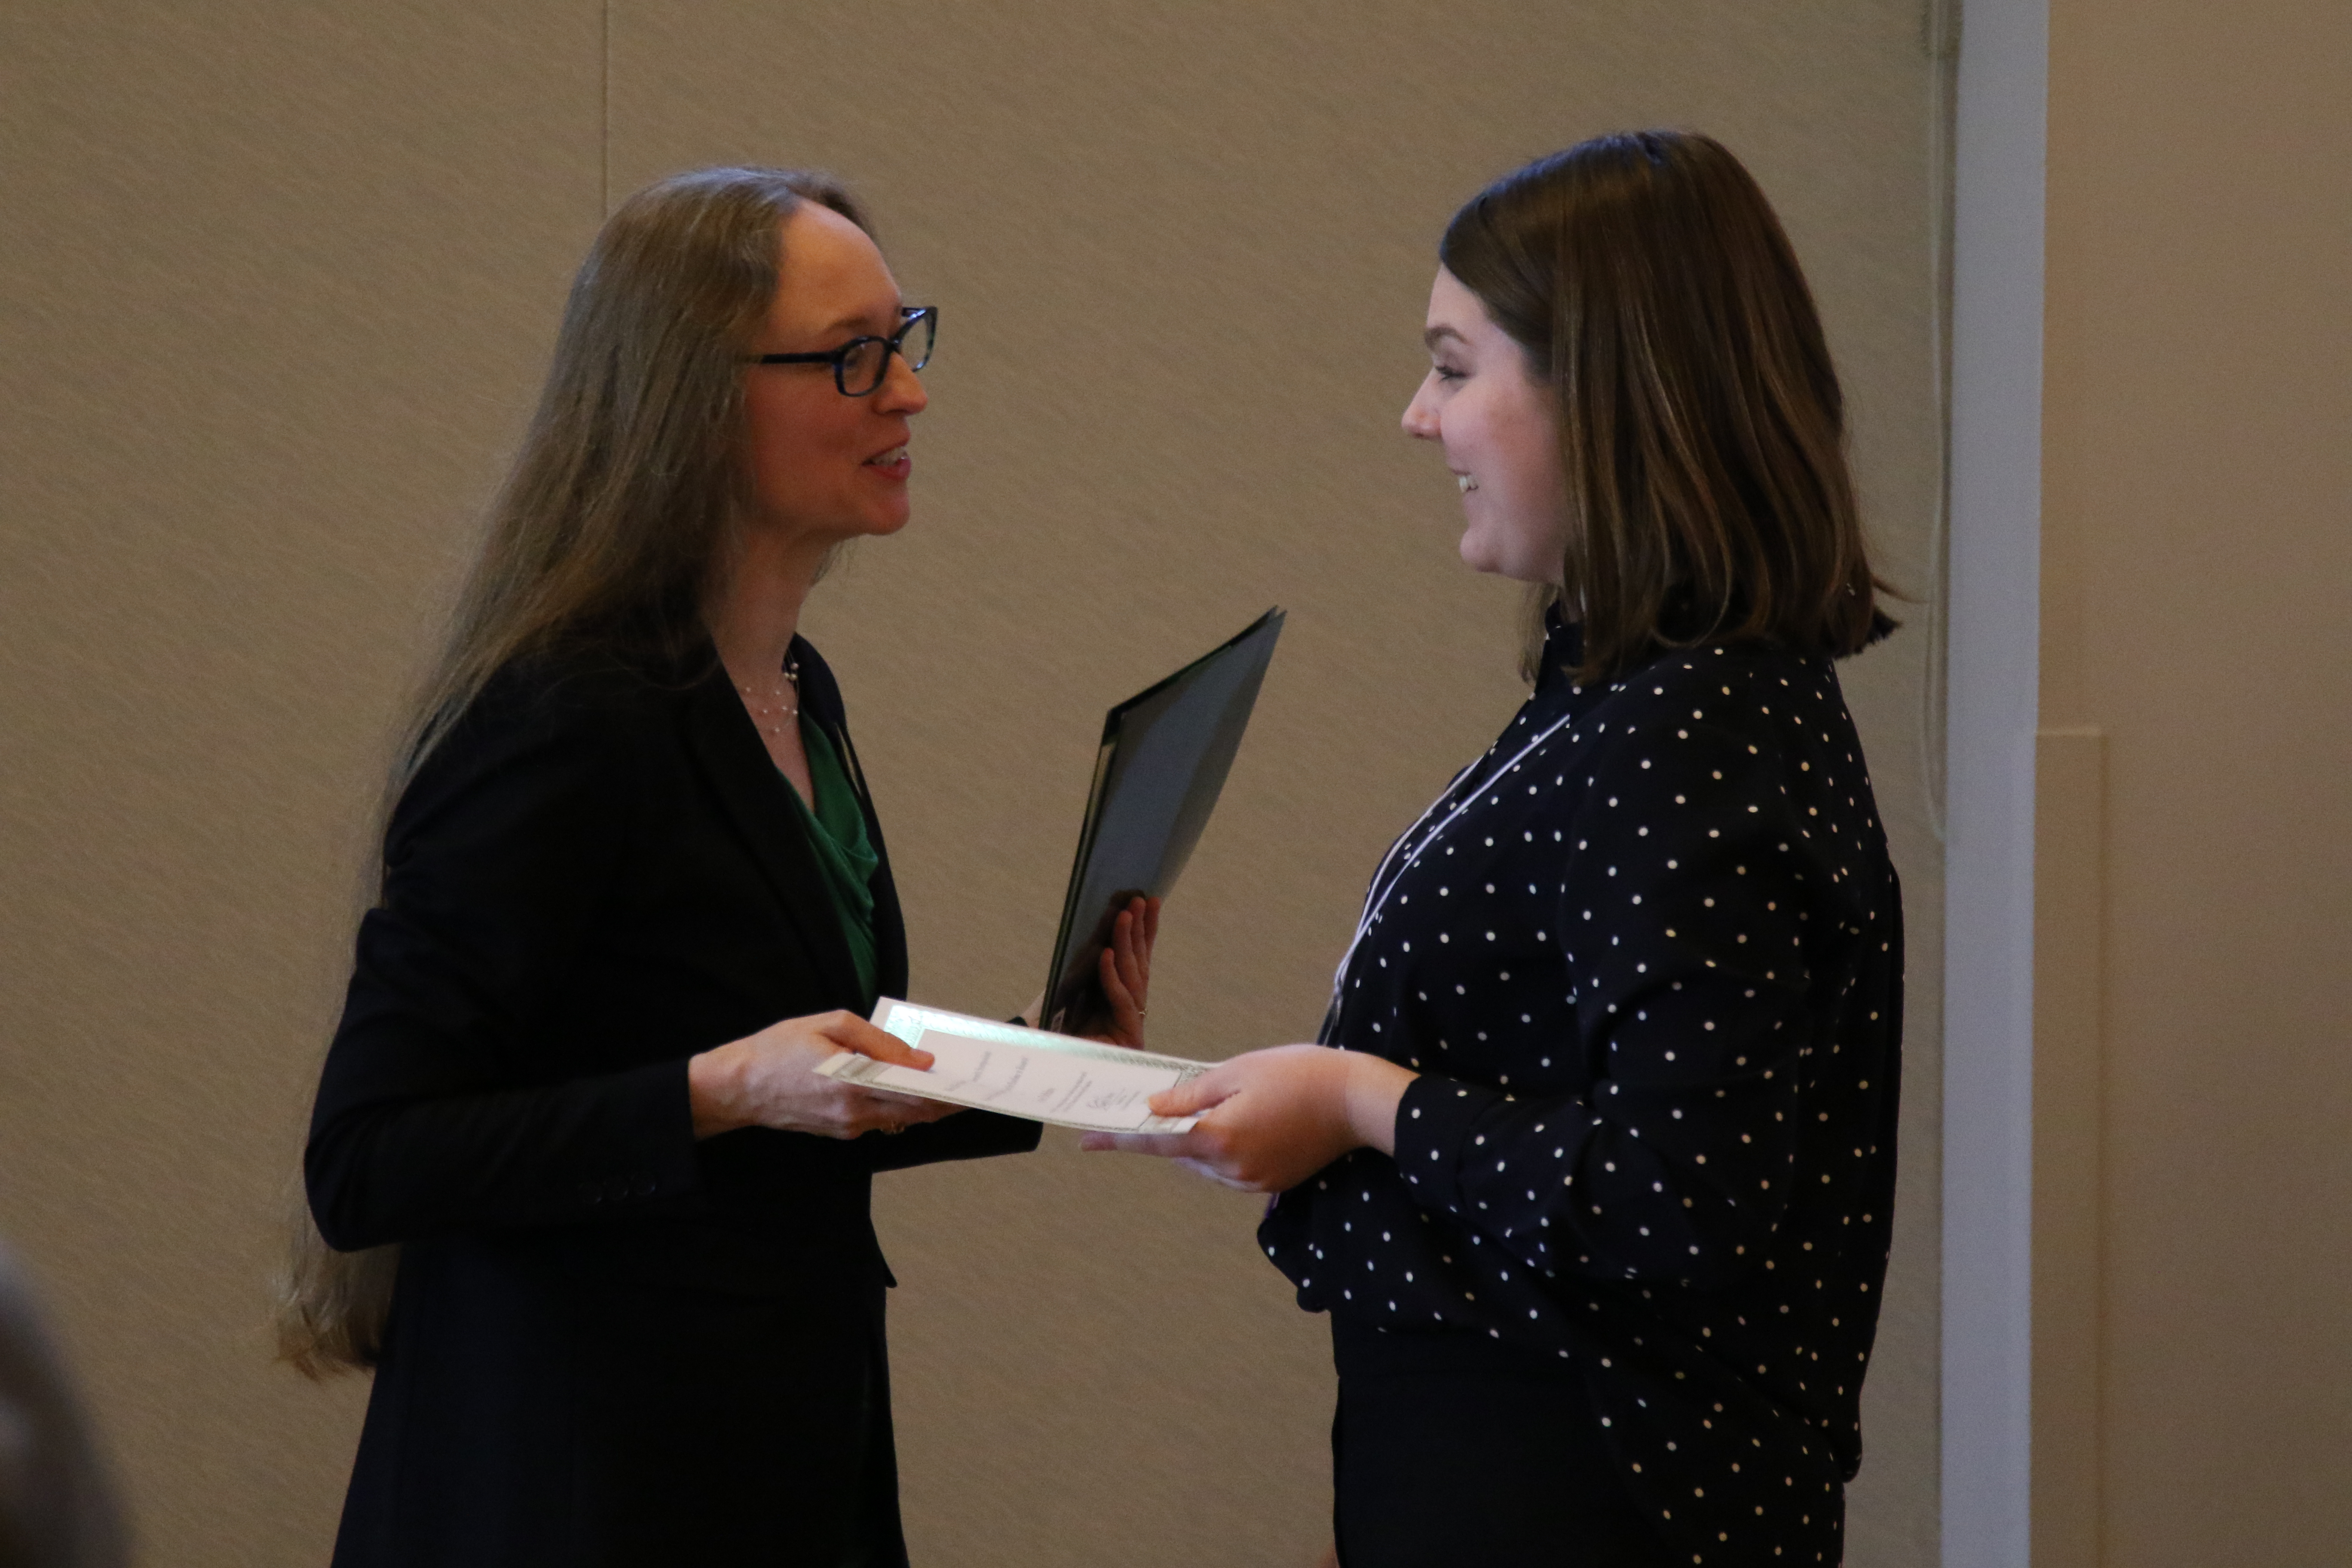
(615, 523)
(1702, 431)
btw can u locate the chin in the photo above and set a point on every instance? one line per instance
(1477, 553)
(1505, 558)
(876, 521)
(1480, 554)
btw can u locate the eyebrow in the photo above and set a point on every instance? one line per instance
(1433, 334)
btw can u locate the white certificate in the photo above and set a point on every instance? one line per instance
(1021, 1072)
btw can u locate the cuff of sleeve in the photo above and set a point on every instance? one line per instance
(1433, 1132)
(966, 1135)
(653, 1125)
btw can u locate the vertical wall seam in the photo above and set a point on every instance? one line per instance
(1940, 40)
(604, 112)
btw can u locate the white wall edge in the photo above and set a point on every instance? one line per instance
(2001, 148)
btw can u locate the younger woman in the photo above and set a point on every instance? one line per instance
(1596, 1185)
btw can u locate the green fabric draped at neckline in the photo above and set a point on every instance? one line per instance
(844, 853)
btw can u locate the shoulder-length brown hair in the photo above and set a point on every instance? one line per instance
(614, 524)
(1701, 429)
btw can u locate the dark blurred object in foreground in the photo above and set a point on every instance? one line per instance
(57, 1507)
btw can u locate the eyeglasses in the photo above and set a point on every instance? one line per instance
(860, 364)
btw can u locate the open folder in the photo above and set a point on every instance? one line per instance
(1165, 754)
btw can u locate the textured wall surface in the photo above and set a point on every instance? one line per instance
(276, 284)
(2197, 550)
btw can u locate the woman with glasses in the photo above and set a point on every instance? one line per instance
(587, 1208)
(1596, 1187)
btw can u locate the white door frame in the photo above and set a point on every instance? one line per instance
(1994, 676)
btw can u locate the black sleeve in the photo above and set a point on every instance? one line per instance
(442, 1106)
(1682, 910)
(966, 1135)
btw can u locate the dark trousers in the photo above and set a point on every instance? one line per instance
(1450, 1450)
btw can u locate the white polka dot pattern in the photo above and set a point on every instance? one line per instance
(1651, 973)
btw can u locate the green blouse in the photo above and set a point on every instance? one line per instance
(837, 831)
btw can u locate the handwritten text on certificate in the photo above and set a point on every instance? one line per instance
(1021, 1072)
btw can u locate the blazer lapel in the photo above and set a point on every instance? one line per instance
(757, 800)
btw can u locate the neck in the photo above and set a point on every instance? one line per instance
(755, 614)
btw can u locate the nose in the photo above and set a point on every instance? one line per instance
(901, 391)
(1419, 419)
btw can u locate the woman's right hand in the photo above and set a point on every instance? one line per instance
(770, 1079)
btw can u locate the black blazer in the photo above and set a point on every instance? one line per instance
(610, 1344)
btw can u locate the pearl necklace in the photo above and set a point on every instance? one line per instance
(770, 713)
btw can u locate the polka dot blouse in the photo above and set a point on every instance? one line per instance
(1646, 954)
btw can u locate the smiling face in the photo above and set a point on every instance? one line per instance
(820, 467)
(1500, 429)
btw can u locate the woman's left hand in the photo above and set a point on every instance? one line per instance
(1271, 1119)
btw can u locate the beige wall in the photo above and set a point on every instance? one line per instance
(276, 281)
(2193, 1379)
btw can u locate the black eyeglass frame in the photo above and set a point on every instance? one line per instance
(896, 343)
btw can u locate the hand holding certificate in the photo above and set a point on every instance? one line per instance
(1265, 1120)
(1021, 1072)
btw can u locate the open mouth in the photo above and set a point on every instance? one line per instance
(894, 462)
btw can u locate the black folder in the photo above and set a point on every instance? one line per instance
(1165, 754)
